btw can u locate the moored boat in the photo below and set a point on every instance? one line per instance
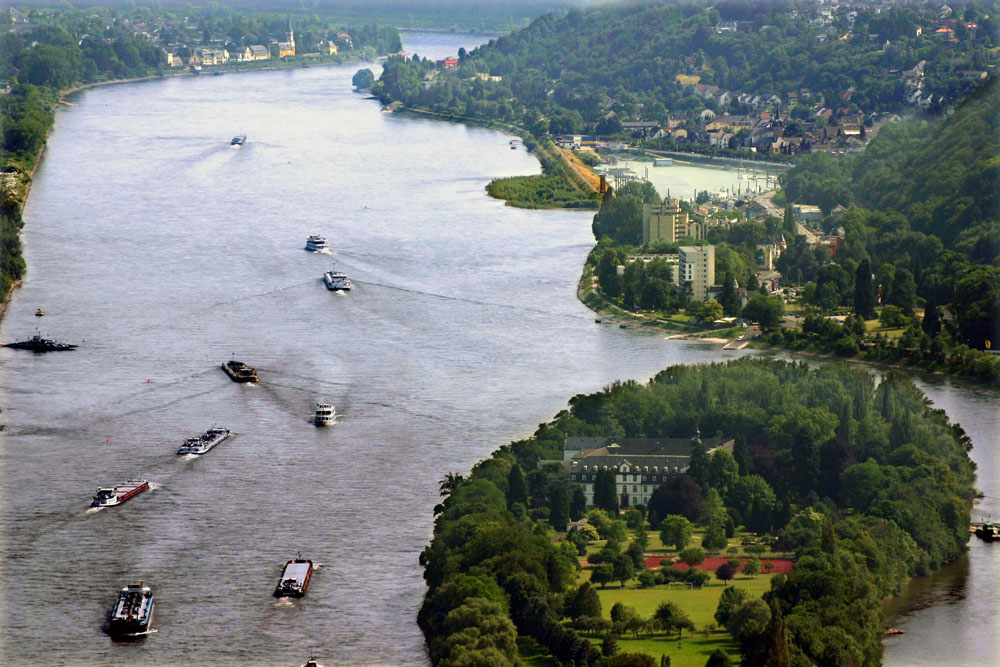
(294, 579)
(326, 415)
(337, 281)
(132, 614)
(38, 344)
(316, 242)
(205, 442)
(109, 496)
(988, 531)
(239, 372)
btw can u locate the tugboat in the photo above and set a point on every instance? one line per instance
(38, 344)
(109, 496)
(316, 242)
(133, 612)
(326, 415)
(988, 531)
(294, 579)
(239, 372)
(202, 444)
(238, 140)
(337, 281)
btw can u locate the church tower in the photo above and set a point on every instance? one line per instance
(290, 34)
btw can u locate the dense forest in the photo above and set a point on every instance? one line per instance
(595, 67)
(924, 223)
(862, 479)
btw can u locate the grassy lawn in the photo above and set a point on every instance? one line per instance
(699, 604)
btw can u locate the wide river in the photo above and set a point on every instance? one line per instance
(163, 251)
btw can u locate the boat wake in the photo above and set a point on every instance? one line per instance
(327, 251)
(187, 457)
(284, 602)
(153, 486)
(93, 510)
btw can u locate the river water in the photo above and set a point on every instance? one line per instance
(163, 251)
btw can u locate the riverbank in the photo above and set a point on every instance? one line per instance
(565, 182)
(17, 197)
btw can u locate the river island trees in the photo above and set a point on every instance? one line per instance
(865, 483)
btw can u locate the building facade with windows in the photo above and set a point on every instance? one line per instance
(697, 266)
(640, 464)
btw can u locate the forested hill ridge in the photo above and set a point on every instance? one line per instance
(941, 175)
(594, 68)
(924, 229)
(862, 479)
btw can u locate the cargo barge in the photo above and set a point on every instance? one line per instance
(294, 579)
(205, 442)
(239, 372)
(133, 612)
(109, 496)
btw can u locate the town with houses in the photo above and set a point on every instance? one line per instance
(187, 42)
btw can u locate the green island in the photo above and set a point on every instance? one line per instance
(45, 54)
(773, 542)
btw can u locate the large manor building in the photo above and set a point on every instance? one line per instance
(640, 464)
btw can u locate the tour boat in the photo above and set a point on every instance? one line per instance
(238, 140)
(239, 372)
(316, 242)
(336, 281)
(294, 579)
(132, 614)
(38, 344)
(205, 442)
(109, 496)
(326, 415)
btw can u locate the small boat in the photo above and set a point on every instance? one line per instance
(326, 415)
(132, 614)
(217, 73)
(316, 242)
(311, 662)
(38, 344)
(39, 313)
(988, 531)
(203, 443)
(337, 281)
(238, 140)
(109, 496)
(294, 579)
(239, 372)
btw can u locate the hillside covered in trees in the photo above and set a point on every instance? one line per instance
(863, 480)
(595, 67)
(925, 221)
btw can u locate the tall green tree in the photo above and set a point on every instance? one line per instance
(517, 490)
(864, 291)
(559, 506)
(605, 492)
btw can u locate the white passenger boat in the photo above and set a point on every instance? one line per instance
(336, 281)
(316, 242)
(326, 415)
